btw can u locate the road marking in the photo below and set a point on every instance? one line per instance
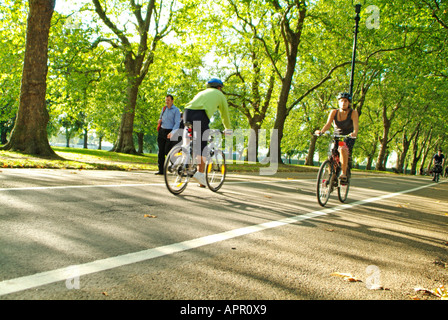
(48, 277)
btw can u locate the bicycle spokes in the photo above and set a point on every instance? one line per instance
(325, 179)
(176, 169)
(215, 170)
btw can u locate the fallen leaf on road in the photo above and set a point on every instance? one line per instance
(346, 276)
(149, 216)
(104, 293)
(440, 292)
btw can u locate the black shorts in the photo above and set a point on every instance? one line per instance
(200, 122)
(350, 142)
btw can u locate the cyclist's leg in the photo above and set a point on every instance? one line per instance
(200, 123)
(343, 152)
(350, 143)
(202, 135)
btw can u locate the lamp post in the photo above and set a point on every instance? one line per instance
(357, 18)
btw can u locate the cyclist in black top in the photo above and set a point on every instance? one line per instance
(345, 122)
(438, 161)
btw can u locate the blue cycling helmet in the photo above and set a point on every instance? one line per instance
(345, 95)
(214, 83)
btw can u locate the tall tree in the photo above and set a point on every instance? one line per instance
(293, 14)
(137, 58)
(30, 131)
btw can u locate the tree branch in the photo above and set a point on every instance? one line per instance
(321, 82)
(102, 14)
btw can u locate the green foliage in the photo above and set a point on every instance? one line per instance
(401, 63)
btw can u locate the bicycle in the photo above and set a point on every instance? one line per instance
(437, 171)
(181, 164)
(327, 177)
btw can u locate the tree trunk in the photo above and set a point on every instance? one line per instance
(125, 141)
(253, 145)
(383, 148)
(309, 159)
(417, 151)
(30, 131)
(402, 156)
(67, 137)
(140, 137)
(281, 115)
(371, 155)
(86, 138)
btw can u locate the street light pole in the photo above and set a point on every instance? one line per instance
(357, 18)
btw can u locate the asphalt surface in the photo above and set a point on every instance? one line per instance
(108, 235)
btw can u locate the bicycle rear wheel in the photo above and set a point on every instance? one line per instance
(343, 188)
(215, 170)
(176, 167)
(324, 183)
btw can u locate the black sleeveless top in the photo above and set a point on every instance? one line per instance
(343, 127)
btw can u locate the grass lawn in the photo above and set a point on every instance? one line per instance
(90, 159)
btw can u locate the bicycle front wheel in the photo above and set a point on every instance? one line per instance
(215, 170)
(343, 188)
(176, 169)
(324, 183)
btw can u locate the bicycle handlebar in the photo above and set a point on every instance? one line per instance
(328, 133)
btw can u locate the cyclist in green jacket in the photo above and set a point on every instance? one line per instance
(199, 112)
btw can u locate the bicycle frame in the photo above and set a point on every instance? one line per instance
(437, 171)
(328, 173)
(335, 156)
(182, 162)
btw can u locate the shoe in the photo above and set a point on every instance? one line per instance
(343, 178)
(200, 177)
(158, 173)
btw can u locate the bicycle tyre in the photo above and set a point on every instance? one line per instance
(323, 188)
(215, 170)
(343, 189)
(176, 170)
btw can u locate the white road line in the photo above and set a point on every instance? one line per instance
(48, 277)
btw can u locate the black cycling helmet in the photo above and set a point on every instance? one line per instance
(214, 83)
(345, 95)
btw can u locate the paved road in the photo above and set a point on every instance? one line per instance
(121, 235)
